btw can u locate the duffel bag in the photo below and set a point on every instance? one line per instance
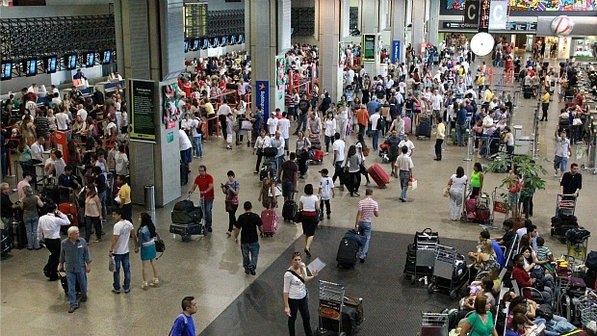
(270, 151)
(577, 235)
(186, 205)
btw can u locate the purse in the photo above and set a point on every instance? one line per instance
(446, 191)
(160, 246)
(366, 151)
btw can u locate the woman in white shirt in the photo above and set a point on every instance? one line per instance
(295, 294)
(262, 141)
(329, 124)
(457, 186)
(309, 207)
(342, 120)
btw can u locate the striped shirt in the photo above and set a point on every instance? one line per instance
(367, 207)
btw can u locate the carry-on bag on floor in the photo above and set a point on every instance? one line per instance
(289, 210)
(317, 156)
(424, 128)
(408, 128)
(19, 234)
(379, 175)
(527, 92)
(347, 253)
(269, 221)
(64, 283)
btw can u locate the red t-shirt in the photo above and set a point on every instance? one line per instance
(203, 183)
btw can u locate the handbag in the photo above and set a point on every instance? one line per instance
(298, 217)
(111, 264)
(446, 191)
(160, 246)
(366, 151)
(246, 125)
(412, 183)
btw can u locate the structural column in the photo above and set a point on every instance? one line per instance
(418, 24)
(433, 23)
(269, 39)
(329, 40)
(398, 24)
(370, 26)
(153, 53)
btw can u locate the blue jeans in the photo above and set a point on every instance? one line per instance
(198, 146)
(31, 229)
(375, 140)
(250, 253)
(301, 124)
(186, 156)
(404, 177)
(365, 230)
(126, 267)
(72, 279)
(104, 200)
(328, 140)
(460, 130)
(207, 212)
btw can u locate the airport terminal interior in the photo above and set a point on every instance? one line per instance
(140, 84)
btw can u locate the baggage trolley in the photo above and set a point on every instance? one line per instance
(578, 250)
(565, 204)
(331, 299)
(424, 258)
(434, 324)
(499, 206)
(446, 275)
(587, 308)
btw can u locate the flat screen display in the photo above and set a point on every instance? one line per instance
(107, 57)
(205, 43)
(195, 44)
(6, 70)
(223, 41)
(51, 64)
(186, 46)
(89, 59)
(70, 61)
(30, 67)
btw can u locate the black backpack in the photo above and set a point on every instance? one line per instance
(577, 235)
(591, 261)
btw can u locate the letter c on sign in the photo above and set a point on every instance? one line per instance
(472, 12)
(498, 13)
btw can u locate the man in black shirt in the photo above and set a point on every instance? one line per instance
(248, 223)
(303, 106)
(571, 181)
(288, 176)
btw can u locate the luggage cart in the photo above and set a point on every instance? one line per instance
(331, 299)
(587, 308)
(434, 324)
(498, 206)
(447, 276)
(578, 250)
(424, 257)
(565, 204)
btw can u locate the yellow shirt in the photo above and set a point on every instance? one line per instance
(545, 98)
(441, 131)
(209, 108)
(125, 194)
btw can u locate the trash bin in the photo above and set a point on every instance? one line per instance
(150, 197)
(522, 145)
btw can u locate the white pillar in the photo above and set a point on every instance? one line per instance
(399, 25)
(433, 26)
(329, 39)
(418, 24)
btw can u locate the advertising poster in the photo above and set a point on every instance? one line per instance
(281, 82)
(173, 105)
(529, 7)
(368, 47)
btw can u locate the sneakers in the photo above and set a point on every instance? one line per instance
(127, 290)
(144, 285)
(155, 283)
(362, 260)
(253, 271)
(115, 291)
(72, 309)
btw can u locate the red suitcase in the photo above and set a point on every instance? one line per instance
(269, 220)
(70, 210)
(317, 156)
(379, 175)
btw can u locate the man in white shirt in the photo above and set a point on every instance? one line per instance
(278, 142)
(81, 112)
(185, 147)
(37, 150)
(436, 105)
(222, 114)
(284, 128)
(48, 229)
(338, 147)
(373, 121)
(62, 121)
(409, 144)
(119, 250)
(272, 124)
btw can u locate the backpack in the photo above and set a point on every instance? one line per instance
(591, 261)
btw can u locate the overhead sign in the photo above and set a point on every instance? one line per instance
(142, 109)
(522, 26)
(471, 12)
(395, 51)
(484, 16)
(498, 15)
(263, 97)
(457, 25)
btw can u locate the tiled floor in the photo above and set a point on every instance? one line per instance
(211, 269)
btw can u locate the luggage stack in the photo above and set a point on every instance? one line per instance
(186, 220)
(420, 256)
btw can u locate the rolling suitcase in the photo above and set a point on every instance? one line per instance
(269, 220)
(378, 175)
(347, 253)
(408, 127)
(289, 210)
(527, 92)
(424, 128)
(64, 283)
(317, 155)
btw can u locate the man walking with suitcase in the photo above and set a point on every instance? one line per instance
(368, 208)
(246, 225)
(75, 260)
(205, 183)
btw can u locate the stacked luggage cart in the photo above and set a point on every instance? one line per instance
(450, 273)
(434, 324)
(338, 314)
(420, 257)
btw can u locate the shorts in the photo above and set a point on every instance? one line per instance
(392, 158)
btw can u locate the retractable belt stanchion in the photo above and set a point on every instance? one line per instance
(469, 147)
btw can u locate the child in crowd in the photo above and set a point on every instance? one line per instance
(326, 191)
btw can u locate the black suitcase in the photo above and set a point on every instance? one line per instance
(186, 230)
(186, 205)
(19, 234)
(289, 210)
(527, 92)
(347, 253)
(5, 242)
(424, 128)
(64, 283)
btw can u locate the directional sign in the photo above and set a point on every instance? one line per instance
(498, 15)
(263, 97)
(471, 12)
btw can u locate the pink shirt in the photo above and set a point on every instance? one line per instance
(367, 207)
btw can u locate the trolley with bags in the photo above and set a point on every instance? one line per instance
(338, 314)
(450, 273)
(434, 324)
(420, 256)
(187, 220)
(564, 218)
(577, 242)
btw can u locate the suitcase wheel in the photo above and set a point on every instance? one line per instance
(431, 288)
(186, 238)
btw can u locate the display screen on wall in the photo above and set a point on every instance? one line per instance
(70, 61)
(186, 46)
(50, 64)
(107, 57)
(89, 59)
(6, 70)
(30, 67)
(529, 8)
(368, 47)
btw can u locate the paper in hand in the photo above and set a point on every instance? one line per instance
(316, 265)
